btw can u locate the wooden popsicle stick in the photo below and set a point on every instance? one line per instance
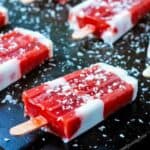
(28, 126)
(83, 32)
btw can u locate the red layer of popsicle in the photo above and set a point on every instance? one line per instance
(21, 51)
(70, 103)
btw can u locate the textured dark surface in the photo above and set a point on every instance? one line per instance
(127, 128)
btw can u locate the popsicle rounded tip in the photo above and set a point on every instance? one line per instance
(19, 130)
(146, 72)
(28, 126)
(83, 32)
(14, 131)
(76, 36)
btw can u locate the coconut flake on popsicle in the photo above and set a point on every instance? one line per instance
(21, 50)
(78, 101)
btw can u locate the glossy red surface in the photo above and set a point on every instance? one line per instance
(28, 50)
(100, 13)
(2, 19)
(138, 11)
(58, 102)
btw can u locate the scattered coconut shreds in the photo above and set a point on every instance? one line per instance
(9, 99)
(6, 139)
(104, 135)
(122, 135)
(117, 120)
(75, 145)
(102, 128)
(43, 139)
(140, 121)
(146, 72)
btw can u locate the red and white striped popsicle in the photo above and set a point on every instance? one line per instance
(21, 50)
(70, 105)
(108, 19)
(3, 16)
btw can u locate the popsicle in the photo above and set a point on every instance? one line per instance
(70, 105)
(3, 16)
(21, 50)
(108, 19)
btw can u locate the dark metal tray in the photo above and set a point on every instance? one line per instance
(122, 130)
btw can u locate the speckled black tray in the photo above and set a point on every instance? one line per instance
(125, 128)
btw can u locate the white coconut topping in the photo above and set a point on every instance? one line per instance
(123, 75)
(45, 41)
